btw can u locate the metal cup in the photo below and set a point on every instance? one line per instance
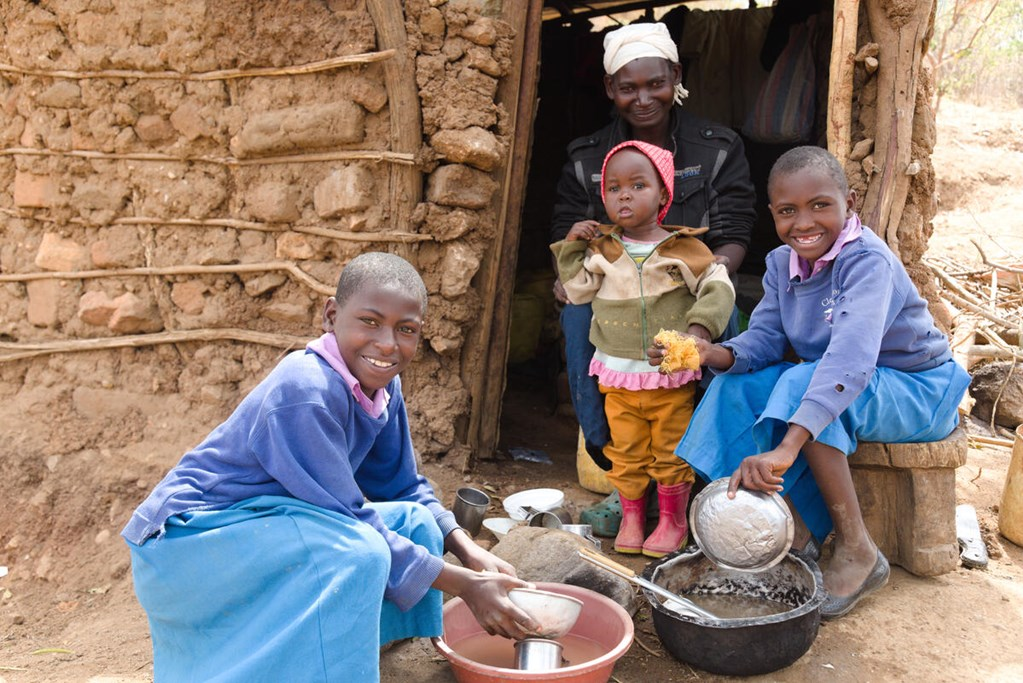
(537, 654)
(547, 520)
(584, 530)
(470, 507)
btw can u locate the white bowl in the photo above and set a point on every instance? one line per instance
(556, 613)
(540, 500)
(500, 526)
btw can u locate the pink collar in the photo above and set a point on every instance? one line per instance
(800, 267)
(326, 348)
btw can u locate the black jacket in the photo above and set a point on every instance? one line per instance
(712, 181)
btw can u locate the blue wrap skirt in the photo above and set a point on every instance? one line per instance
(275, 589)
(746, 414)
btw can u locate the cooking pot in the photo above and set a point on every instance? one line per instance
(742, 646)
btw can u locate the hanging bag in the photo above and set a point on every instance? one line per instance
(784, 108)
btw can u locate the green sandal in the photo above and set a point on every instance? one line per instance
(605, 517)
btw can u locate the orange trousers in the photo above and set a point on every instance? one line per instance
(646, 427)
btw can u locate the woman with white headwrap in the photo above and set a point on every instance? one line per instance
(713, 189)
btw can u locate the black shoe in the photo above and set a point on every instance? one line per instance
(810, 552)
(835, 606)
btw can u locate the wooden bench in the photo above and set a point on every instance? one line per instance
(907, 494)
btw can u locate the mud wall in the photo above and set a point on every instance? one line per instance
(170, 173)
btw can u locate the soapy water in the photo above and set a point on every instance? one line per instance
(500, 652)
(731, 606)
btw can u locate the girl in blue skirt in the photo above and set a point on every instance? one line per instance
(869, 364)
(298, 537)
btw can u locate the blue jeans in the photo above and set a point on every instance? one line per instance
(587, 401)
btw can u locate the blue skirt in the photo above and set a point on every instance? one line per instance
(275, 589)
(746, 414)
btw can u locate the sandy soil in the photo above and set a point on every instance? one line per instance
(67, 612)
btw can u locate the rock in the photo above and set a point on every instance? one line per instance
(861, 149)
(457, 270)
(133, 316)
(540, 554)
(62, 94)
(189, 296)
(154, 128)
(43, 302)
(286, 131)
(59, 254)
(483, 32)
(462, 186)
(191, 121)
(447, 225)
(108, 194)
(34, 191)
(474, 146)
(345, 190)
(370, 94)
(287, 313)
(267, 282)
(96, 308)
(987, 384)
(273, 202)
(294, 246)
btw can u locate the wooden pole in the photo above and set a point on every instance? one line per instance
(903, 40)
(840, 79)
(487, 389)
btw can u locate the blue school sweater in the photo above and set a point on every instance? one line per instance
(300, 433)
(860, 312)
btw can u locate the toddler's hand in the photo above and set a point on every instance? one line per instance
(583, 230)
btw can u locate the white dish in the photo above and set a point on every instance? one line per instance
(556, 613)
(500, 526)
(539, 500)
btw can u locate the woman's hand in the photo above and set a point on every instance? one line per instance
(583, 230)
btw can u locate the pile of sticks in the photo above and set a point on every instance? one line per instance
(987, 305)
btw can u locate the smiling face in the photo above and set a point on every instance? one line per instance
(809, 210)
(377, 330)
(633, 192)
(643, 92)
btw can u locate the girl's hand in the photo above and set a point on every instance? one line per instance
(583, 230)
(486, 595)
(762, 472)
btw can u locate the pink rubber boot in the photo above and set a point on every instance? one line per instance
(629, 540)
(672, 528)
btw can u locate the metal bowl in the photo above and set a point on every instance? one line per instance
(751, 532)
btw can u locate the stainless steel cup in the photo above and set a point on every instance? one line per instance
(584, 530)
(470, 507)
(537, 654)
(545, 519)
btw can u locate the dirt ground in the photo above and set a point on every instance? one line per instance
(67, 611)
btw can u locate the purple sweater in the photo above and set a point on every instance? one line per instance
(301, 434)
(860, 312)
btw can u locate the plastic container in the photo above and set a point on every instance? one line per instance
(601, 620)
(1010, 512)
(591, 477)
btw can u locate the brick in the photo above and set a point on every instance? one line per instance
(283, 131)
(474, 146)
(43, 302)
(34, 191)
(59, 254)
(345, 190)
(462, 186)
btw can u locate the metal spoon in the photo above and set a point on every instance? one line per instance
(673, 601)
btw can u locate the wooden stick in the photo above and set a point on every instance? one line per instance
(233, 269)
(405, 158)
(344, 235)
(1005, 443)
(984, 258)
(219, 75)
(32, 350)
(843, 53)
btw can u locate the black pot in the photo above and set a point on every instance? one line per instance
(744, 646)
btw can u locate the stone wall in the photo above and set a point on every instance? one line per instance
(138, 145)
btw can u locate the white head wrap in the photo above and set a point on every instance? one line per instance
(636, 41)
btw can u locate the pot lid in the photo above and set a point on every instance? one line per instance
(750, 532)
